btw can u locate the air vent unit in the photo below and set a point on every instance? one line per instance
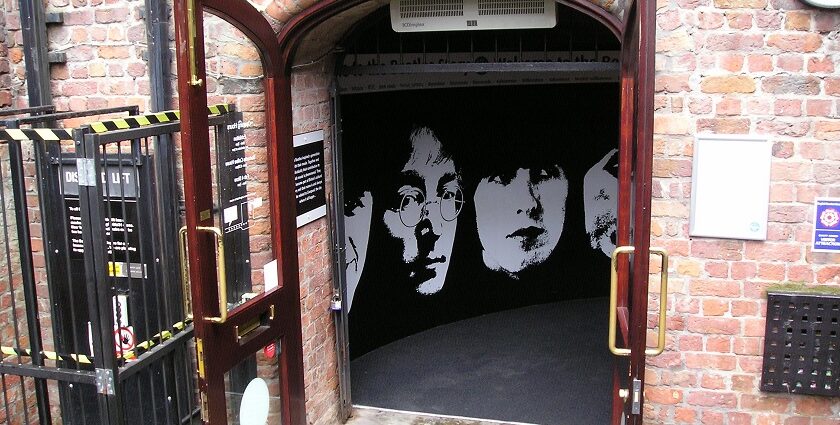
(457, 15)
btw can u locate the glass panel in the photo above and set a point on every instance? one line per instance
(239, 157)
(252, 389)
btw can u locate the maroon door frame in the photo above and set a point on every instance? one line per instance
(277, 55)
(217, 354)
(635, 171)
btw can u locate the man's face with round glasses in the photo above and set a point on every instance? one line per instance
(424, 221)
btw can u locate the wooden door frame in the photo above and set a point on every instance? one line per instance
(196, 147)
(277, 53)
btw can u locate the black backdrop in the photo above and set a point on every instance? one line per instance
(481, 129)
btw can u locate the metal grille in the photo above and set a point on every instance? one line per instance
(510, 7)
(431, 8)
(801, 345)
(93, 325)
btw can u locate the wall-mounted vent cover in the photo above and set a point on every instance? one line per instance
(457, 15)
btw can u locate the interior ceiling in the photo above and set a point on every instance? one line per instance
(323, 38)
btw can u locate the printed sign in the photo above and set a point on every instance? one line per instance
(827, 225)
(310, 195)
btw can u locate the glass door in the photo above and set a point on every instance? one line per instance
(630, 260)
(239, 243)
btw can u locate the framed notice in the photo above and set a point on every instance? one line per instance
(826, 225)
(730, 188)
(310, 195)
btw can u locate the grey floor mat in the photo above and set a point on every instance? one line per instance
(546, 364)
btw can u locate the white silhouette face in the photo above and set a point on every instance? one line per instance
(425, 220)
(357, 215)
(520, 217)
(600, 202)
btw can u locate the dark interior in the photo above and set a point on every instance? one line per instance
(487, 346)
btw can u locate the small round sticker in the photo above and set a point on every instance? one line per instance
(254, 407)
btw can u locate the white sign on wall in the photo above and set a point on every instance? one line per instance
(730, 188)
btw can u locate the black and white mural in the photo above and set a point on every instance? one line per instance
(461, 202)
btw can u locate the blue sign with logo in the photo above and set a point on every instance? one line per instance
(827, 225)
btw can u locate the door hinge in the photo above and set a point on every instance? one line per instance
(105, 381)
(636, 406)
(87, 172)
(199, 353)
(335, 303)
(205, 411)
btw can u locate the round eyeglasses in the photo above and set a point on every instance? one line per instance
(414, 206)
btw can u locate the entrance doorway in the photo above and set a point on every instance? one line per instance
(430, 195)
(480, 206)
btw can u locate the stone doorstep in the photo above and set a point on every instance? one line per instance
(374, 416)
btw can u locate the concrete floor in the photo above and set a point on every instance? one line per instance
(374, 416)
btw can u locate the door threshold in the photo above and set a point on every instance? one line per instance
(365, 415)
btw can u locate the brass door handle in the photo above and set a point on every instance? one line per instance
(663, 301)
(220, 267)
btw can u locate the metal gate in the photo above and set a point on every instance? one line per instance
(94, 325)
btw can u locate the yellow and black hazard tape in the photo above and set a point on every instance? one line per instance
(154, 340)
(49, 355)
(36, 134)
(57, 134)
(127, 355)
(138, 121)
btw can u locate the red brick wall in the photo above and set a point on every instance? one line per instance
(5, 66)
(740, 66)
(311, 111)
(723, 66)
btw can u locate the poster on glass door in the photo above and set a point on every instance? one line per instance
(462, 202)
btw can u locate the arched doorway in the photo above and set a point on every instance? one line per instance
(628, 310)
(491, 302)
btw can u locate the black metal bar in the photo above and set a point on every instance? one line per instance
(35, 41)
(459, 68)
(51, 373)
(131, 110)
(5, 396)
(10, 271)
(23, 111)
(157, 38)
(98, 283)
(146, 131)
(28, 273)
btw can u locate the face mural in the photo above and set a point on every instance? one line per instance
(520, 216)
(600, 199)
(357, 215)
(424, 222)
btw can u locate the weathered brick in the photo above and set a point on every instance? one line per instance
(713, 325)
(709, 20)
(741, 4)
(803, 43)
(735, 41)
(739, 21)
(720, 249)
(790, 63)
(712, 399)
(724, 125)
(729, 106)
(827, 130)
(791, 84)
(715, 307)
(797, 21)
(788, 107)
(728, 84)
(765, 403)
(818, 108)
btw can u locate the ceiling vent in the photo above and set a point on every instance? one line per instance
(459, 15)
